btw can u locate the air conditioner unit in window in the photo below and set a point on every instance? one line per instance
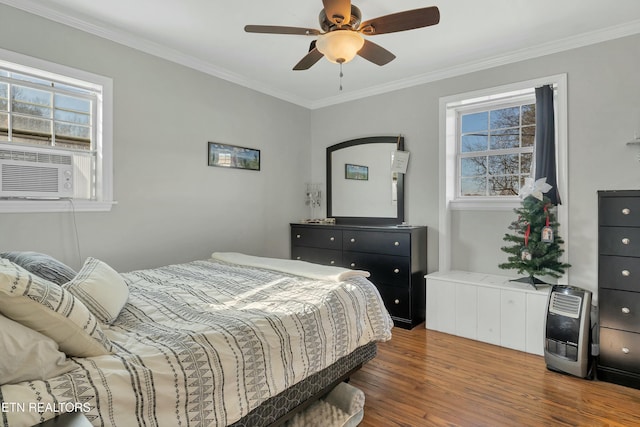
(32, 172)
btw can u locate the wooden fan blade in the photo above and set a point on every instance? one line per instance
(275, 29)
(401, 21)
(310, 58)
(338, 11)
(375, 53)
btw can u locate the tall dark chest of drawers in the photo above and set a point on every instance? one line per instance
(396, 257)
(619, 287)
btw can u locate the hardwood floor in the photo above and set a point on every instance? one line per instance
(427, 378)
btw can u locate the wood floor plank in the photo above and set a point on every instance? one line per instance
(426, 378)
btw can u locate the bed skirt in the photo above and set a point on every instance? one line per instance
(276, 410)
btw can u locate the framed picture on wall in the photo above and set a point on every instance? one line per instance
(233, 156)
(357, 172)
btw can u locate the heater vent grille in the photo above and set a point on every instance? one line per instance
(566, 305)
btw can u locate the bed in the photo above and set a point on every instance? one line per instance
(232, 340)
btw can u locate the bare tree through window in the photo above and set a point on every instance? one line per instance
(496, 150)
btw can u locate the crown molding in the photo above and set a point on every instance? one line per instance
(581, 40)
(136, 42)
(127, 39)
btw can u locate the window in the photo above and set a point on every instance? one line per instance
(495, 148)
(486, 151)
(52, 109)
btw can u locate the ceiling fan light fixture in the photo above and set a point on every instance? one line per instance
(340, 46)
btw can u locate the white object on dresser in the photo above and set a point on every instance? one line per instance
(488, 308)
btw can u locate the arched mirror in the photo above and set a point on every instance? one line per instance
(361, 187)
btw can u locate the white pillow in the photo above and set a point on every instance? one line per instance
(100, 288)
(28, 355)
(50, 310)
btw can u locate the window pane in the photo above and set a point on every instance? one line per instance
(30, 109)
(4, 92)
(508, 138)
(31, 96)
(72, 88)
(71, 117)
(31, 126)
(505, 118)
(473, 166)
(474, 122)
(504, 164)
(474, 142)
(3, 105)
(473, 186)
(503, 185)
(27, 78)
(529, 114)
(528, 136)
(71, 103)
(525, 163)
(72, 131)
(4, 126)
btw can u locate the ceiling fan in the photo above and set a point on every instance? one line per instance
(341, 36)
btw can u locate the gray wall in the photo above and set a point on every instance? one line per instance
(172, 207)
(603, 113)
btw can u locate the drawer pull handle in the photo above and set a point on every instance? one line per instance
(626, 310)
(626, 211)
(332, 262)
(353, 264)
(396, 243)
(332, 238)
(396, 301)
(626, 241)
(298, 236)
(626, 273)
(297, 257)
(353, 240)
(625, 350)
(396, 270)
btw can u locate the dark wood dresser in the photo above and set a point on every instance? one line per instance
(396, 257)
(619, 287)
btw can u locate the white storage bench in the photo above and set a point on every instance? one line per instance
(487, 308)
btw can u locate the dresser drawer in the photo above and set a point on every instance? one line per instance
(620, 211)
(385, 269)
(620, 310)
(623, 241)
(316, 237)
(620, 350)
(318, 256)
(617, 272)
(377, 242)
(396, 300)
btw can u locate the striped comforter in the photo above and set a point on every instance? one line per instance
(204, 343)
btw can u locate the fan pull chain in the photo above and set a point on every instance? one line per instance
(341, 75)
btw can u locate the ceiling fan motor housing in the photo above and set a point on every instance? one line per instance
(354, 21)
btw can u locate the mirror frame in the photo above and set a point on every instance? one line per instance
(398, 142)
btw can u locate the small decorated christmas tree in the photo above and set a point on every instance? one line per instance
(536, 245)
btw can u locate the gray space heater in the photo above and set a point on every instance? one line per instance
(567, 327)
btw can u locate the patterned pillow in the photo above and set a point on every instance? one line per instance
(100, 288)
(41, 265)
(28, 355)
(50, 310)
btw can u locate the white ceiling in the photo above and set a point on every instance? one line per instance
(208, 35)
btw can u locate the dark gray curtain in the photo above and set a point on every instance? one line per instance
(546, 141)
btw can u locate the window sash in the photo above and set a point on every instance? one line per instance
(52, 86)
(517, 99)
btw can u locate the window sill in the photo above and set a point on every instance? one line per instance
(485, 204)
(66, 205)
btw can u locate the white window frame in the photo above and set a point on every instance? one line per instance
(448, 147)
(104, 139)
